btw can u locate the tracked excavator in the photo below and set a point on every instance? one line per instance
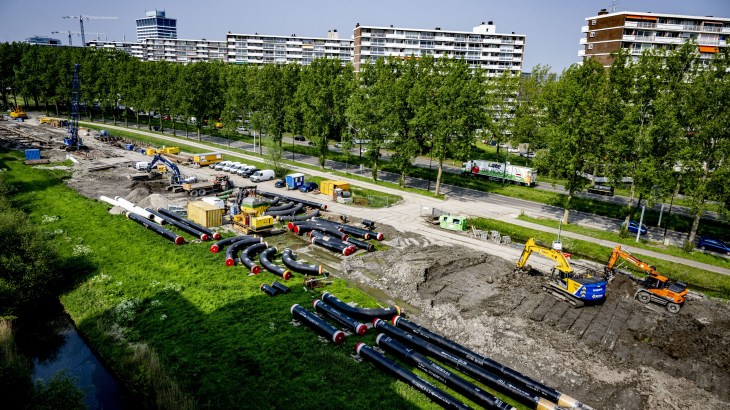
(656, 288)
(564, 283)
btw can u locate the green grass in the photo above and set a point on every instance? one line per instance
(672, 250)
(716, 284)
(223, 341)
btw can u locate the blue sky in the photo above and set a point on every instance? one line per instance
(552, 27)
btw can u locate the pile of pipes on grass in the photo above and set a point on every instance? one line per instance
(335, 236)
(148, 216)
(435, 355)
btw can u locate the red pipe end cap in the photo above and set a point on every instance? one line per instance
(315, 302)
(338, 337)
(375, 322)
(256, 270)
(216, 235)
(380, 236)
(287, 275)
(357, 348)
(362, 329)
(230, 262)
(214, 249)
(262, 286)
(324, 207)
(395, 319)
(296, 229)
(203, 237)
(179, 240)
(290, 226)
(344, 251)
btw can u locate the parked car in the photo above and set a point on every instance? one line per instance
(222, 165)
(527, 154)
(601, 189)
(312, 144)
(265, 175)
(338, 145)
(299, 138)
(308, 187)
(234, 169)
(280, 183)
(241, 129)
(244, 169)
(166, 117)
(634, 227)
(228, 167)
(250, 172)
(213, 165)
(513, 150)
(714, 245)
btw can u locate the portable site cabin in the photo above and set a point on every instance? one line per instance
(207, 158)
(453, 223)
(329, 187)
(294, 181)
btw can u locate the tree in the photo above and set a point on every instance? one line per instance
(528, 112)
(272, 90)
(399, 116)
(201, 89)
(501, 96)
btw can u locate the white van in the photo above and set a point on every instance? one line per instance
(222, 165)
(228, 167)
(264, 175)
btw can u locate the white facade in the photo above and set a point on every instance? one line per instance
(261, 49)
(156, 25)
(172, 50)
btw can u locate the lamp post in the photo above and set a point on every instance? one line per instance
(504, 172)
(641, 220)
(292, 147)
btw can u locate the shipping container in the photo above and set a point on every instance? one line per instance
(207, 158)
(32, 154)
(205, 214)
(496, 171)
(150, 151)
(327, 187)
(172, 150)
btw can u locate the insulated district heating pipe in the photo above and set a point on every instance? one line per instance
(324, 228)
(324, 237)
(310, 204)
(317, 324)
(361, 244)
(290, 211)
(247, 253)
(168, 214)
(137, 210)
(233, 249)
(441, 374)
(353, 230)
(515, 390)
(281, 288)
(486, 363)
(269, 290)
(292, 224)
(280, 207)
(333, 246)
(360, 313)
(274, 202)
(179, 240)
(225, 242)
(368, 223)
(298, 218)
(389, 366)
(181, 226)
(299, 267)
(340, 317)
(269, 266)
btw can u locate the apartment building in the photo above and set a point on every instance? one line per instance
(44, 41)
(172, 50)
(262, 49)
(639, 31)
(156, 25)
(138, 50)
(482, 47)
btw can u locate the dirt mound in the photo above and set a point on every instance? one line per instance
(138, 195)
(621, 286)
(153, 201)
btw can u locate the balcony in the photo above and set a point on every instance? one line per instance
(475, 48)
(690, 27)
(669, 40)
(664, 26)
(711, 29)
(505, 58)
(581, 53)
(584, 29)
(636, 51)
(585, 41)
(507, 41)
(377, 34)
(506, 50)
(709, 42)
(425, 37)
(726, 30)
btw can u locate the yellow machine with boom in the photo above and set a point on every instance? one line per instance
(17, 112)
(566, 284)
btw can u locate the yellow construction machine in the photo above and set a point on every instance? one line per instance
(566, 284)
(17, 112)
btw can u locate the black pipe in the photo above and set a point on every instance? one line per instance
(298, 218)
(517, 391)
(269, 290)
(369, 224)
(247, 253)
(179, 240)
(310, 204)
(214, 235)
(317, 324)
(224, 242)
(181, 226)
(340, 317)
(275, 269)
(299, 267)
(328, 229)
(233, 249)
(488, 364)
(333, 246)
(350, 230)
(281, 207)
(325, 237)
(289, 211)
(281, 288)
(441, 374)
(431, 391)
(361, 244)
(274, 202)
(292, 224)
(159, 215)
(360, 313)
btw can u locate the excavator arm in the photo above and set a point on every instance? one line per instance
(170, 165)
(626, 255)
(533, 245)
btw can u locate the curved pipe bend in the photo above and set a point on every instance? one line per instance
(233, 249)
(269, 266)
(225, 242)
(299, 267)
(289, 211)
(247, 253)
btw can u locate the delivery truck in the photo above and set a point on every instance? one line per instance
(206, 158)
(496, 171)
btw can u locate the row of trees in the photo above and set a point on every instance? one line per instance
(656, 120)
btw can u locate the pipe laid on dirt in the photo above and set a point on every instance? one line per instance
(368, 223)
(360, 313)
(299, 267)
(269, 290)
(340, 317)
(281, 288)
(281, 207)
(488, 364)
(137, 210)
(225, 242)
(441, 374)
(310, 204)
(325, 228)
(352, 230)
(389, 366)
(361, 244)
(289, 211)
(317, 324)
(269, 266)
(168, 214)
(179, 240)
(325, 237)
(517, 391)
(233, 249)
(247, 253)
(181, 226)
(333, 246)
(274, 202)
(292, 224)
(298, 218)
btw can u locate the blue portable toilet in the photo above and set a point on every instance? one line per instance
(21, 120)
(294, 181)
(130, 147)
(32, 154)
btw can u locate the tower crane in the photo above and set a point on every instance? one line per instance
(81, 21)
(75, 32)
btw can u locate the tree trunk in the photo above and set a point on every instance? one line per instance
(162, 130)
(700, 210)
(631, 203)
(149, 122)
(126, 119)
(567, 208)
(186, 130)
(374, 170)
(173, 126)
(137, 113)
(438, 177)
(198, 132)
(403, 179)
(15, 100)
(35, 98)
(56, 104)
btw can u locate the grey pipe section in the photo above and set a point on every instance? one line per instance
(274, 202)
(310, 204)
(298, 218)
(170, 215)
(181, 226)
(361, 244)
(281, 207)
(179, 240)
(363, 314)
(290, 211)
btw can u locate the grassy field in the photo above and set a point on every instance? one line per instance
(717, 285)
(221, 340)
(709, 258)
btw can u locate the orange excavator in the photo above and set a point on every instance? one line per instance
(656, 288)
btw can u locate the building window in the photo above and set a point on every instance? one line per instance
(590, 46)
(593, 34)
(594, 22)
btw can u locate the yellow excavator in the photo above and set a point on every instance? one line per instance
(566, 284)
(17, 112)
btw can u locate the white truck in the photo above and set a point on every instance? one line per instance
(496, 171)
